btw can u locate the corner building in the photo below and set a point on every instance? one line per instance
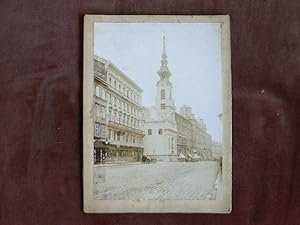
(118, 124)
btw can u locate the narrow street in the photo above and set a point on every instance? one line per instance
(161, 180)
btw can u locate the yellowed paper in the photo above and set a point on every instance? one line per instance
(174, 156)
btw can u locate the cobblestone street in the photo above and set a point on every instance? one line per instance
(161, 180)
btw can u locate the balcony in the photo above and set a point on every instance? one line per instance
(125, 128)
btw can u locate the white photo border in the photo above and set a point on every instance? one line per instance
(91, 205)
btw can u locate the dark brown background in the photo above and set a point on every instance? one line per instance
(41, 110)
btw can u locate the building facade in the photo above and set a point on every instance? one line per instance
(200, 139)
(160, 141)
(118, 128)
(184, 136)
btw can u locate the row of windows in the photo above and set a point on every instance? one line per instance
(99, 130)
(160, 131)
(123, 106)
(163, 94)
(124, 137)
(124, 119)
(118, 86)
(100, 111)
(115, 101)
(100, 92)
(184, 131)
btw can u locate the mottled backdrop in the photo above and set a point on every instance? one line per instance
(41, 110)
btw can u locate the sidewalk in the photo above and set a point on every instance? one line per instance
(124, 163)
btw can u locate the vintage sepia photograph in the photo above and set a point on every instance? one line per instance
(157, 114)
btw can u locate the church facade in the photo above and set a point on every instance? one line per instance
(160, 140)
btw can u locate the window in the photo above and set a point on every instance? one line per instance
(119, 87)
(162, 94)
(97, 91)
(118, 135)
(102, 113)
(112, 99)
(109, 114)
(109, 133)
(110, 80)
(127, 93)
(160, 131)
(149, 132)
(115, 84)
(102, 130)
(103, 94)
(163, 106)
(123, 90)
(115, 117)
(97, 130)
(97, 110)
(109, 98)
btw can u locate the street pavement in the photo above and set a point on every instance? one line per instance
(158, 181)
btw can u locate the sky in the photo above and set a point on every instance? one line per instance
(194, 59)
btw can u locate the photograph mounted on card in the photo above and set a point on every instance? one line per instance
(157, 114)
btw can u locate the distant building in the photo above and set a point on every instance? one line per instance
(160, 141)
(184, 136)
(118, 128)
(200, 139)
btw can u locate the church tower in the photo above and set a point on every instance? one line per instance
(164, 96)
(160, 141)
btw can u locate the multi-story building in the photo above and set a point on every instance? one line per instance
(160, 124)
(201, 141)
(184, 136)
(119, 123)
(100, 108)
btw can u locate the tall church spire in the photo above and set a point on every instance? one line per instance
(164, 45)
(164, 72)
